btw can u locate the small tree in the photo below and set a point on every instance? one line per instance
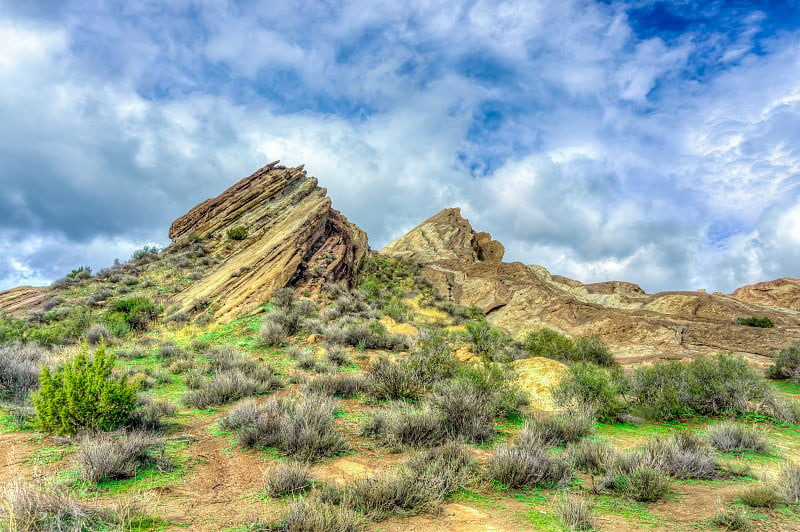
(83, 396)
(237, 233)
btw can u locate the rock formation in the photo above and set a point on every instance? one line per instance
(22, 299)
(784, 292)
(467, 267)
(292, 235)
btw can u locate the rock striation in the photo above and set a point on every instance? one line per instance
(20, 300)
(784, 292)
(293, 235)
(467, 267)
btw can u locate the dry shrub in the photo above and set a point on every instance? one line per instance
(287, 479)
(20, 365)
(574, 512)
(312, 515)
(303, 428)
(105, 456)
(557, 429)
(737, 438)
(761, 496)
(337, 385)
(519, 467)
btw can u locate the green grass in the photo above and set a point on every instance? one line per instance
(49, 455)
(787, 386)
(635, 512)
(144, 480)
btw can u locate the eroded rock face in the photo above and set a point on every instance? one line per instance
(638, 326)
(23, 299)
(293, 236)
(784, 292)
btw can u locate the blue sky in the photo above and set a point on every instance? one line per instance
(653, 142)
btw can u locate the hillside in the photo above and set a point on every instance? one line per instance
(283, 376)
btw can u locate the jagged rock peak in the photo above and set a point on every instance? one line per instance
(783, 292)
(292, 236)
(445, 236)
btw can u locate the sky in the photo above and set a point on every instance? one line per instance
(646, 141)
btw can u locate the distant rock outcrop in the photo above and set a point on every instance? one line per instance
(467, 267)
(293, 234)
(20, 300)
(784, 292)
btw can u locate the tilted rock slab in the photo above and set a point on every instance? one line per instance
(467, 267)
(784, 292)
(293, 236)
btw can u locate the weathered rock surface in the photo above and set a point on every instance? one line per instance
(293, 236)
(467, 267)
(784, 292)
(22, 299)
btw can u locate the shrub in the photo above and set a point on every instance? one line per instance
(486, 340)
(105, 456)
(405, 426)
(754, 321)
(761, 496)
(305, 308)
(27, 507)
(574, 512)
(147, 252)
(337, 356)
(81, 272)
(20, 365)
(519, 467)
(310, 515)
(444, 469)
(589, 388)
(302, 428)
(730, 518)
(719, 385)
(337, 385)
(230, 385)
(737, 438)
(392, 380)
(788, 484)
(378, 497)
(237, 233)
(643, 484)
(273, 333)
(283, 298)
(168, 351)
(97, 333)
(787, 364)
(147, 417)
(287, 479)
(551, 344)
(557, 429)
(682, 455)
(83, 396)
(590, 456)
(138, 312)
(466, 411)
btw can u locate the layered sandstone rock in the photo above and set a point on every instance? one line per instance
(293, 235)
(784, 292)
(22, 299)
(467, 267)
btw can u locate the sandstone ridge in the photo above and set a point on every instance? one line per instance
(292, 235)
(467, 267)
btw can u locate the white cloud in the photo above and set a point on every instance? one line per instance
(605, 161)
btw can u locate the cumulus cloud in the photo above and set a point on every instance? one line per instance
(601, 140)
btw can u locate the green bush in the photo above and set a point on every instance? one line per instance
(787, 364)
(551, 344)
(138, 312)
(237, 233)
(753, 321)
(588, 388)
(721, 385)
(146, 252)
(81, 272)
(83, 396)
